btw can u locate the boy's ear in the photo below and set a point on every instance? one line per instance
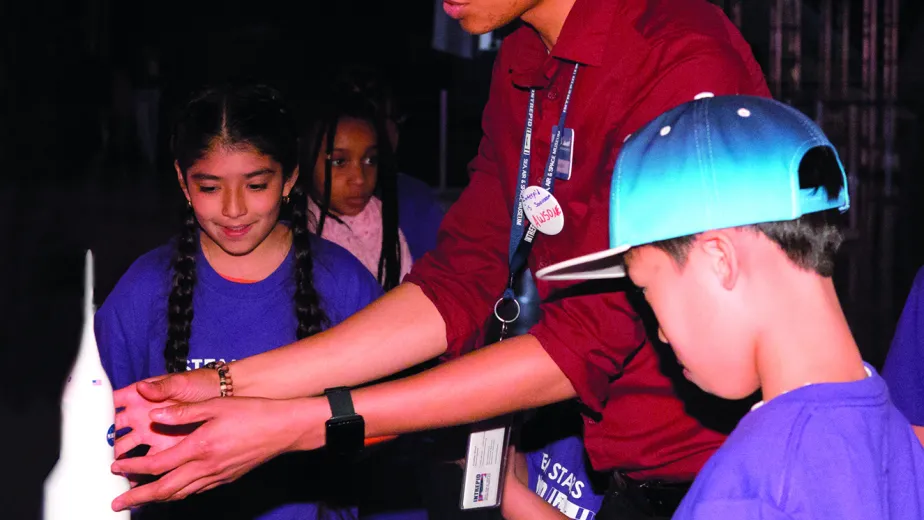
(722, 256)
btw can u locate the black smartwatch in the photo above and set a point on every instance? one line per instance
(346, 431)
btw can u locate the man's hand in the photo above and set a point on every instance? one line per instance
(236, 435)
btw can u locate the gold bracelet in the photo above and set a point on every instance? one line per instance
(224, 377)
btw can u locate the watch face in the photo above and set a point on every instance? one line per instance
(345, 435)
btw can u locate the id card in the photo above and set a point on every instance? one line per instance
(485, 465)
(565, 154)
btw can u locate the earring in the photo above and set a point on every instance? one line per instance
(285, 199)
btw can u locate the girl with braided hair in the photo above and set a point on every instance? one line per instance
(244, 276)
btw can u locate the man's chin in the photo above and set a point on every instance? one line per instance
(476, 27)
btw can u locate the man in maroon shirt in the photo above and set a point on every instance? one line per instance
(635, 60)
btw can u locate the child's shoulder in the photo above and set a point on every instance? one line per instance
(156, 261)
(337, 273)
(756, 446)
(151, 269)
(808, 423)
(333, 260)
(750, 472)
(807, 450)
(917, 289)
(147, 280)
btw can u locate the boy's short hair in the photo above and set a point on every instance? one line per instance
(810, 241)
(717, 163)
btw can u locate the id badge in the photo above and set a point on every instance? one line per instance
(565, 154)
(485, 464)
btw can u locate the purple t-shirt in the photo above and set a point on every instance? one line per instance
(558, 474)
(833, 450)
(904, 366)
(233, 321)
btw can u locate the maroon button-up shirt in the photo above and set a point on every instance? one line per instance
(638, 58)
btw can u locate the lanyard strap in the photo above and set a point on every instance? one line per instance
(521, 239)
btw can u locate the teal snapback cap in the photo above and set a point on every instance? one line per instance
(712, 163)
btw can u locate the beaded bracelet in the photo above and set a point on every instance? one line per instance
(224, 377)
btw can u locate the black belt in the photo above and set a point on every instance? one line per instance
(627, 498)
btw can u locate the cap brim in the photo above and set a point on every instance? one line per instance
(595, 266)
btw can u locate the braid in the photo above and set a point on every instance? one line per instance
(325, 203)
(180, 303)
(389, 273)
(319, 137)
(311, 317)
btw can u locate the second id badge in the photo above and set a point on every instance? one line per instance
(485, 464)
(565, 154)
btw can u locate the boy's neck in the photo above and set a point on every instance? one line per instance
(807, 339)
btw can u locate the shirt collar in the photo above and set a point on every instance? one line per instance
(583, 39)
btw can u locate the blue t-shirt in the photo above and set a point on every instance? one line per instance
(419, 214)
(833, 450)
(558, 474)
(233, 321)
(904, 366)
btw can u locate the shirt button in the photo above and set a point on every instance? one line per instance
(553, 94)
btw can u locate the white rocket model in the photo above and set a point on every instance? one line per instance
(81, 486)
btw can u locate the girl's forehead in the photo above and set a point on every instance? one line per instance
(224, 161)
(349, 124)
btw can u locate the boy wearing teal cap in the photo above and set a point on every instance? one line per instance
(737, 267)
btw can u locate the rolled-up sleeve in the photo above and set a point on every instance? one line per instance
(467, 271)
(589, 338)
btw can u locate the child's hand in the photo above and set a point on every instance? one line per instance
(520, 502)
(135, 402)
(207, 457)
(516, 467)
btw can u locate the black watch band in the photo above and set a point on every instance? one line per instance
(341, 403)
(345, 430)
